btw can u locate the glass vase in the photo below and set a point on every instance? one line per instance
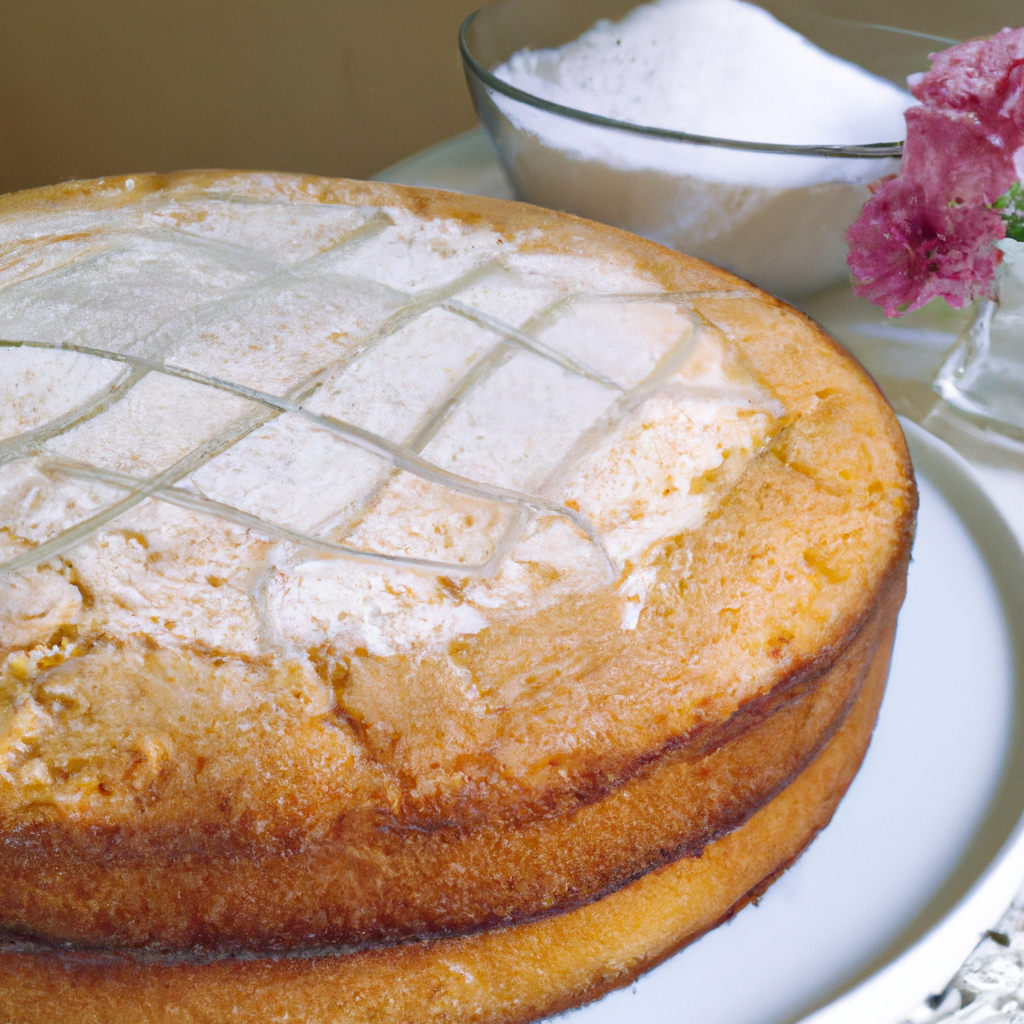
(984, 374)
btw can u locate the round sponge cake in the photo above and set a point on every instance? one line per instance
(386, 566)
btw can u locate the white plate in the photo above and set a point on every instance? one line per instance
(923, 821)
(926, 850)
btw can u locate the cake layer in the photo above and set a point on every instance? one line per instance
(385, 882)
(507, 975)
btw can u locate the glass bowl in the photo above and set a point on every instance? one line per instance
(774, 214)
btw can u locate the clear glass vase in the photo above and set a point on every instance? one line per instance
(984, 374)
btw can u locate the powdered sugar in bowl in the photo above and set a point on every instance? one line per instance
(746, 135)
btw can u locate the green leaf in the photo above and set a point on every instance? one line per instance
(1011, 206)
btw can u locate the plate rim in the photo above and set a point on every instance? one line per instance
(927, 967)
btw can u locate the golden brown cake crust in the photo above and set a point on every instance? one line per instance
(451, 880)
(365, 816)
(559, 962)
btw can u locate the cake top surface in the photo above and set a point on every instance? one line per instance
(249, 421)
(332, 498)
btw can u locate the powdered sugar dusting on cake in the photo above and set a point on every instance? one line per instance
(341, 425)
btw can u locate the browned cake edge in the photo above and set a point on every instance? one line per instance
(453, 880)
(503, 976)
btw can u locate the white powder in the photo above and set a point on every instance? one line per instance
(720, 68)
(628, 406)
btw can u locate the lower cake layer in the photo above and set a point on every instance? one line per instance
(510, 975)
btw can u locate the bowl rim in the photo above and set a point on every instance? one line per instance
(866, 151)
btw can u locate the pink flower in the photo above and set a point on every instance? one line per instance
(929, 231)
(951, 155)
(981, 76)
(906, 249)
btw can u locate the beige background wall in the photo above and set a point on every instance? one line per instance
(92, 87)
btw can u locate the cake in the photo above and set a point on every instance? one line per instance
(413, 607)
